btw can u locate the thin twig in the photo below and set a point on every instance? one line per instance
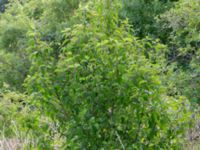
(118, 137)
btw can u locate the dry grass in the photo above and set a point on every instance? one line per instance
(193, 146)
(11, 144)
(194, 138)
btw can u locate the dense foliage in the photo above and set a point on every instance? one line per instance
(99, 74)
(183, 22)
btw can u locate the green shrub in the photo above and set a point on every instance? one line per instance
(88, 82)
(102, 90)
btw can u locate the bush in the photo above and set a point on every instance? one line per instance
(102, 90)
